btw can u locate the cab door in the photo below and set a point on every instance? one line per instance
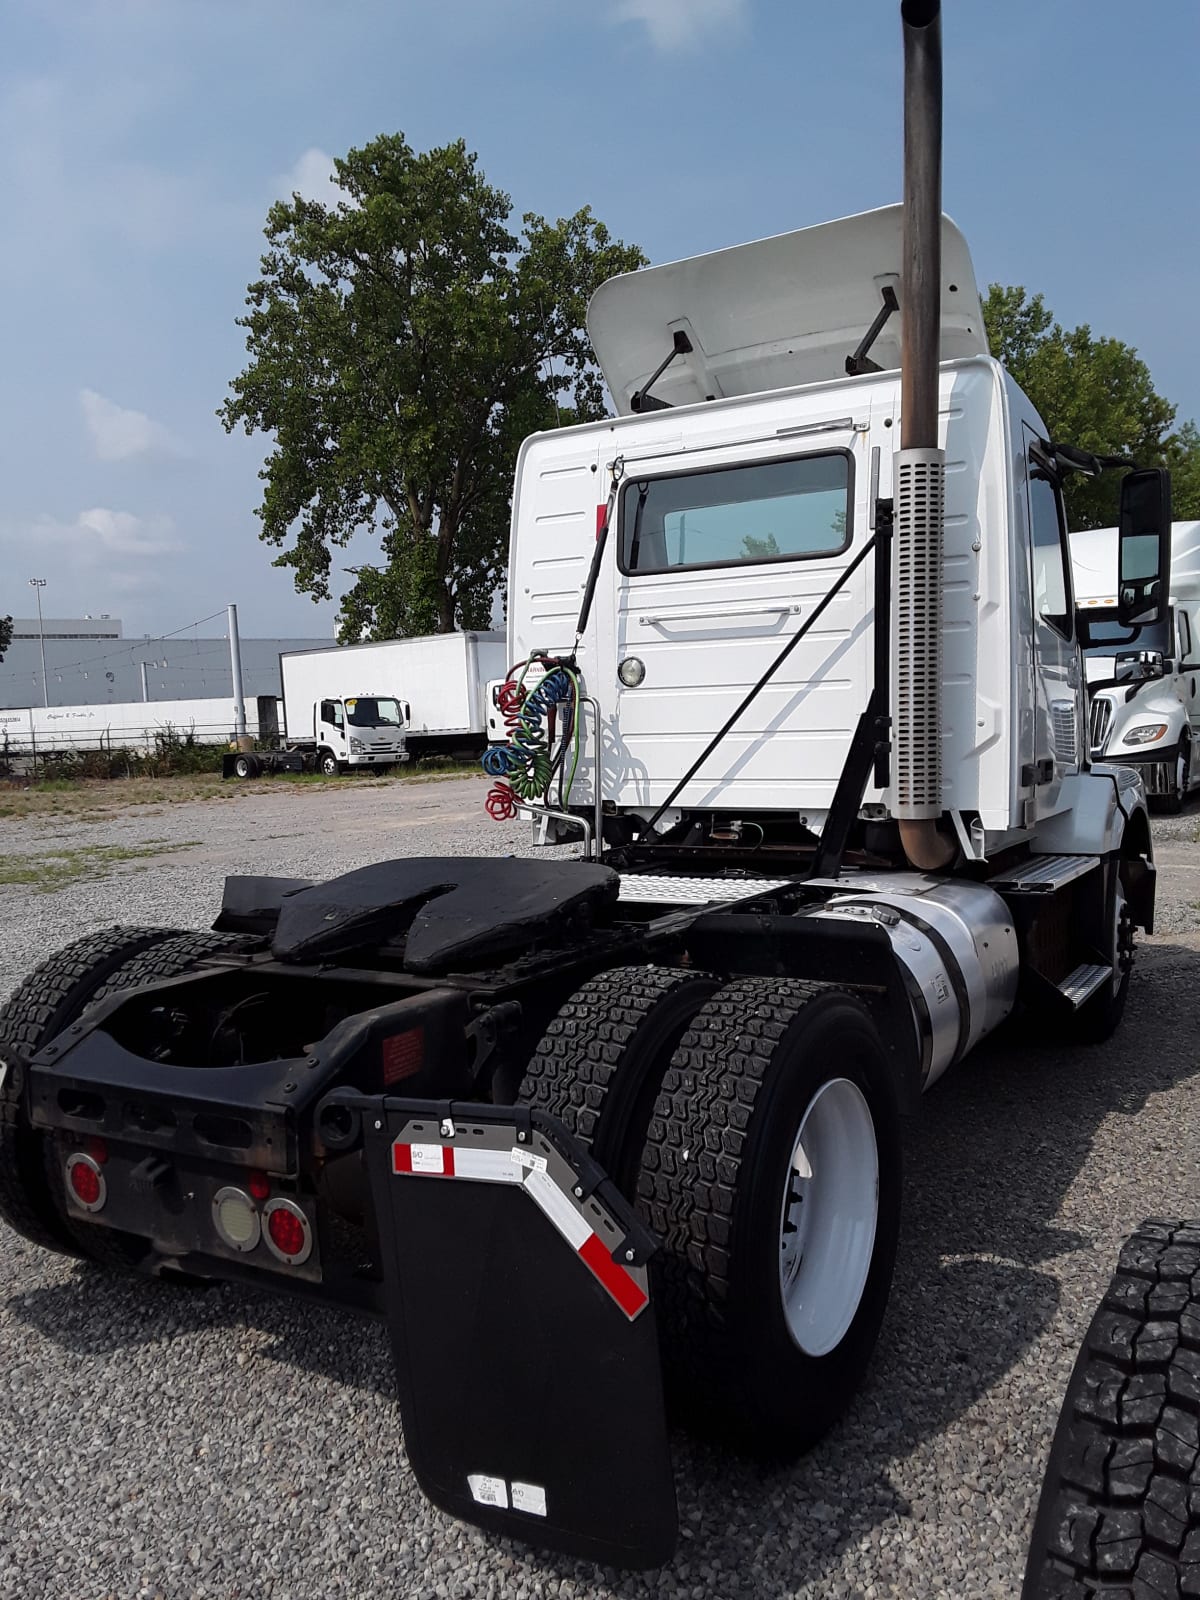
(1059, 696)
(1188, 669)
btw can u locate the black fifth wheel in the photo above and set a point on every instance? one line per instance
(772, 1172)
(1120, 1507)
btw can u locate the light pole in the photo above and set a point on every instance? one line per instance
(37, 585)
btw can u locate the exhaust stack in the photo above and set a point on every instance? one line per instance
(920, 465)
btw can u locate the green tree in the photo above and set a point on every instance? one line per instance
(5, 635)
(402, 341)
(1096, 393)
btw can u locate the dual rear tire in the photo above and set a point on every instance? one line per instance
(755, 1126)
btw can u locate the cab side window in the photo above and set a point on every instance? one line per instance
(1051, 587)
(331, 712)
(1184, 626)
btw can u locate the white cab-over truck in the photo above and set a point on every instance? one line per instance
(1143, 682)
(612, 1138)
(362, 706)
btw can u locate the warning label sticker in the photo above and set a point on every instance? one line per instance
(529, 1497)
(489, 1491)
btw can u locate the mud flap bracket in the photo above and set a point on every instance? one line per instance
(519, 1304)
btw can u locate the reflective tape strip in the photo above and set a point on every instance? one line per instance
(521, 1166)
(622, 1285)
(549, 1198)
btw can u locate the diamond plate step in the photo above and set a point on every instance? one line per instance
(1044, 874)
(1080, 985)
(667, 890)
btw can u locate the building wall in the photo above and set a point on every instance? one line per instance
(99, 671)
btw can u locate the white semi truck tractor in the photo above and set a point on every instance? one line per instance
(612, 1139)
(1143, 681)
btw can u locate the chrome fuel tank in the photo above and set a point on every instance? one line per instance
(956, 946)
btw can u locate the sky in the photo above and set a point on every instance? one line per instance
(142, 142)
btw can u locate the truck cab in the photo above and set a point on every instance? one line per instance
(359, 731)
(1143, 681)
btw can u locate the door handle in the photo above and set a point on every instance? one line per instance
(719, 616)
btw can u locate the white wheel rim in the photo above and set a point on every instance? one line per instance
(828, 1218)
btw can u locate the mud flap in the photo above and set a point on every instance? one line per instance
(524, 1338)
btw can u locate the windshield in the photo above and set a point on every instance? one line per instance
(368, 712)
(1109, 637)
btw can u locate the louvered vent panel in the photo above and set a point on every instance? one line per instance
(1062, 720)
(920, 500)
(1099, 724)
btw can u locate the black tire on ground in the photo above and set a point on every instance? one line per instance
(716, 1170)
(1118, 1509)
(1180, 762)
(170, 958)
(49, 1000)
(600, 1064)
(1100, 1017)
(246, 767)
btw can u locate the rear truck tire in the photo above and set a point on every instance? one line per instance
(772, 1172)
(170, 958)
(328, 764)
(600, 1064)
(49, 1000)
(246, 767)
(1118, 1508)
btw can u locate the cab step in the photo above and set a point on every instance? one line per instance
(1079, 986)
(1044, 874)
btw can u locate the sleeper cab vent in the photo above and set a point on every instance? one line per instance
(1062, 719)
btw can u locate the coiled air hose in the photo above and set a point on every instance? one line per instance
(526, 766)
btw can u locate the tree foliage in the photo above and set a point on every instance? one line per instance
(6, 633)
(1096, 393)
(402, 341)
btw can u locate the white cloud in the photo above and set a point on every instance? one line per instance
(98, 535)
(118, 432)
(310, 177)
(679, 24)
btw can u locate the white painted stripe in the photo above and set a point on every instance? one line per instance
(550, 1199)
(487, 1166)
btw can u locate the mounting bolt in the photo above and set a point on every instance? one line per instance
(520, 1138)
(629, 1255)
(578, 1192)
(289, 1088)
(378, 1126)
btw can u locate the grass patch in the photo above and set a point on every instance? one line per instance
(57, 869)
(93, 799)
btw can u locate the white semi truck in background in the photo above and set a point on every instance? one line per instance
(1143, 681)
(601, 1136)
(369, 706)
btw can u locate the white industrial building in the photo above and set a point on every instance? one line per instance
(90, 661)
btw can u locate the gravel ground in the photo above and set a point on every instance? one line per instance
(168, 1444)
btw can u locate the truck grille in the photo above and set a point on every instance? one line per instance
(1099, 724)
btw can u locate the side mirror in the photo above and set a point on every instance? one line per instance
(1144, 546)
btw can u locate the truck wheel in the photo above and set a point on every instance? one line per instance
(1100, 1017)
(1181, 765)
(328, 763)
(772, 1173)
(246, 767)
(49, 1000)
(1116, 1511)
(601, 1062)
(170, 958)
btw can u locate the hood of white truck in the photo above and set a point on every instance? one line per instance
(775, 313)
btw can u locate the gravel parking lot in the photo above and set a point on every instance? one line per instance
(159, 1442)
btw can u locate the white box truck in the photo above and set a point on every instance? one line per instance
(1143, 682)
(372, 705)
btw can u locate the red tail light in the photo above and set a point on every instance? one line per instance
(259, 1185)
(86, 1181)
(289, 1234)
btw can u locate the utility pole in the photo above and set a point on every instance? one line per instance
(145, 682)
(37, 585)
(235, 662)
